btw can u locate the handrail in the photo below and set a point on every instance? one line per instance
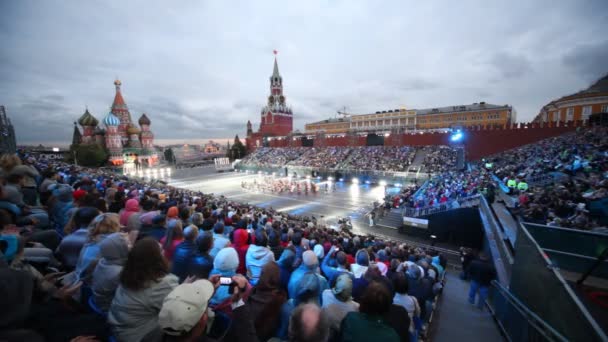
(549, 263)
(538, 323)
(569, 230)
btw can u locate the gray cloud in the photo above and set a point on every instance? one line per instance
(588, 60)
(509, 65)
(200, 69)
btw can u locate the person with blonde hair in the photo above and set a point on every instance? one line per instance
(102, 226)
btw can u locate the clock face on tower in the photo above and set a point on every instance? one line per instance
(282, 99)
(270, 100)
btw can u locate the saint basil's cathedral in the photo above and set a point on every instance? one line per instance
(276, 118)
(125, 143)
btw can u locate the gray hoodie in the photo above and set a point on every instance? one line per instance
(113, 251)
(134, 314)
(255, 259)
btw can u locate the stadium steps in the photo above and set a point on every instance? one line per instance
(460, 160)
(393, 219)
(460, 321)
(419, 158)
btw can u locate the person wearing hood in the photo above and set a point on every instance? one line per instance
(102, 226)
(310, 263)
(307, 290)
(225, 264)
(266, 300)
(362, 263)
(257, 256)
(69, 248)
(172, 217)
(184, 253)
(131, 208)
(219, 240)
(241, 246)
(113, 251)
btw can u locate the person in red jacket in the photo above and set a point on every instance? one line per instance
(240, 244)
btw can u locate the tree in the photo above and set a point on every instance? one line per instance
(88, 155)
(169, 156)
(238, 150)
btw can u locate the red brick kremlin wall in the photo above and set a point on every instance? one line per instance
(478, 143)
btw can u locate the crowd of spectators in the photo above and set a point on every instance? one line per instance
(322, 157)
(576, 166)
(380, 158)
(273, 157)
(87, 254)
(367, 158)
(440, 158)
(448, 186)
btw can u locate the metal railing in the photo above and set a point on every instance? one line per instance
(516, 320)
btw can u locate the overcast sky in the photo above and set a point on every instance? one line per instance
(200, 69)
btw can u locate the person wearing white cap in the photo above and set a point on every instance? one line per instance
(185, 313)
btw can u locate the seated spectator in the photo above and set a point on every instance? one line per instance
(113, 251)
(266, 300)
(219, 240)
(70, 246)
(102, 226)
(257, 256)
(368, 324)
(308, 323)
(310, 263)
(145, 281)
(337, 301)
(362, 263)
(274, 244)
(409, 303)
(155, 230)
(308, 290)
(202, 263)
(241, 245)
(339, 258)
(184, 253)
(174, 237)
(225, 264)
(285, 263)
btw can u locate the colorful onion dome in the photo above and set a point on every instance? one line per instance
(87, 119)
(111, 120)
(144, 120)
(133, 129)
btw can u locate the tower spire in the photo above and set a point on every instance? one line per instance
(275, 70)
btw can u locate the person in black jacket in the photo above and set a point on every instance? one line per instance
(482, 273)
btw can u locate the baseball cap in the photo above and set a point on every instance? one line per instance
(184, 306)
